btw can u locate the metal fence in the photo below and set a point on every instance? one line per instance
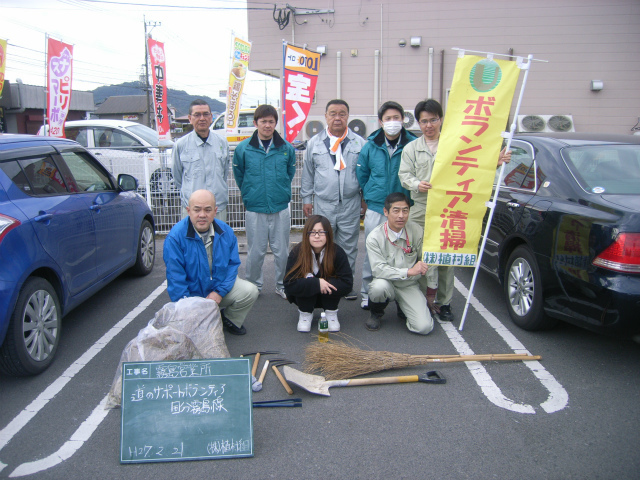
(156, 185)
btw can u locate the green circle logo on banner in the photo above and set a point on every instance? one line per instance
(485, 75)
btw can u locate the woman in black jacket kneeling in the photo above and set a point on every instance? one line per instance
(318, 274)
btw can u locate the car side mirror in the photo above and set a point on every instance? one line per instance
(127, 183)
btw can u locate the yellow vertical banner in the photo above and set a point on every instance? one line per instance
(465, 165)
(237, 75)
(3, 62)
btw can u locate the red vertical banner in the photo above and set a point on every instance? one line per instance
(301, 69)
(59, 75)
(159, 88)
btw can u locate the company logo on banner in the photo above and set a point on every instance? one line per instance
(465, 166)
(239, 69)
(59, 74)
(3, 62)
(301, 69)
(159, 74)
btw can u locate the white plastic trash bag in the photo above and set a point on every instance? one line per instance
(190, 328)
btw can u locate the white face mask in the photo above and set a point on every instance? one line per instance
(392, 127)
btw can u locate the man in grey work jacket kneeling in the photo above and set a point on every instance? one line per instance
(394, 249)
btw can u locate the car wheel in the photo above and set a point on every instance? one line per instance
(523, 291)
(34, 330)
(146, 250)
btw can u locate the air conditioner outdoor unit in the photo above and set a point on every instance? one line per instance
(314, 125)
(364, 125)
(410, 122)
(545, 123)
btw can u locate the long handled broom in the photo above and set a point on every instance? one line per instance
(338, 360)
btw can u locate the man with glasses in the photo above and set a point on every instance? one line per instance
(415, 171)
(329, 184)
(264, 166)
(201, 160)
(399, 274)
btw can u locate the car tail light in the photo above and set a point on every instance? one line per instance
(623, 255)
(6, 225)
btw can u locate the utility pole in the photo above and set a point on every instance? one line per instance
(146, 66)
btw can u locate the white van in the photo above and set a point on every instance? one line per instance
(245, 126)
(120, 145)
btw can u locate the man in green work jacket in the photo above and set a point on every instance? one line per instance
(264, 166)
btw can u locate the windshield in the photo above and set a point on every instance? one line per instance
(605, 169)
(147, 134)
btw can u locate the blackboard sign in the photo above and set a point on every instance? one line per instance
(186, 410)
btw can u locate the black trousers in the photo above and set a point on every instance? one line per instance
(326, 302)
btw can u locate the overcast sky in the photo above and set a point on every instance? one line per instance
(108, 42)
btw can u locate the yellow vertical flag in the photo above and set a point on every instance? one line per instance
(237, 75)
(3, 62)
(465, 165)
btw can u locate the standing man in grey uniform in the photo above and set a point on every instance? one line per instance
(329, 184)
(201, 161)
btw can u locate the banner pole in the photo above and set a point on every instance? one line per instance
(46, 81)
(509, 136)
(283, 107)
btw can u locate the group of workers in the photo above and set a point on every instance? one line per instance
(388, 175)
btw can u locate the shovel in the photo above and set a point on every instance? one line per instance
(318, 385)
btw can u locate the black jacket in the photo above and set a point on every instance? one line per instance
(309, 287)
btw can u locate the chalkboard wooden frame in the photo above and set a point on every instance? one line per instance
(186, 410)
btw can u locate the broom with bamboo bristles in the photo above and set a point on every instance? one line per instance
(336, 360)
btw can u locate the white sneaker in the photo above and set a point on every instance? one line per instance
(364, 304)
(280, 292)
(332, 320)
(304, 321)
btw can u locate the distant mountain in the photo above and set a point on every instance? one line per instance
(176, 98)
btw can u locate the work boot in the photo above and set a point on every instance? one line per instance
(304, 321)
(332, 319)
(401, 314)
(445, 314)
(231, 327)
(376, 311)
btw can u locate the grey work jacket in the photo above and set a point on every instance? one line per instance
(202, 165)
(319, 177)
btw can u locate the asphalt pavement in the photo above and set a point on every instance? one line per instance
(573, 415)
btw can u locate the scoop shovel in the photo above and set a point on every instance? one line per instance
(318, 385)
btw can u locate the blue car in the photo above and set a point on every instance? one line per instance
(67, 229)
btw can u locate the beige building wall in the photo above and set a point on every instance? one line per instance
(581, 40)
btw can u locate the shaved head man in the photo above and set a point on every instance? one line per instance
(189, 252)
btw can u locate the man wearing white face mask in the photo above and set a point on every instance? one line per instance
(377, 172)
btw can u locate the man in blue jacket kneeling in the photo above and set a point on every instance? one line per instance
(201, 255)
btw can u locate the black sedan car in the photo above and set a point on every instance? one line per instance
(565, 236)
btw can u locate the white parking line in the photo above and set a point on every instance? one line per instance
(558, 396)
(30, 411)
(81, 435)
